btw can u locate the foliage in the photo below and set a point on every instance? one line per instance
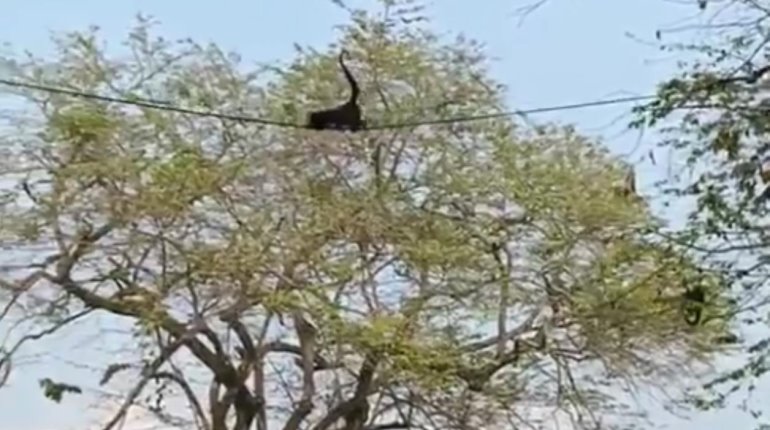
(715, 116)
(55, 390)
(434, 277)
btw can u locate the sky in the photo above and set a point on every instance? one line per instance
(564, 52)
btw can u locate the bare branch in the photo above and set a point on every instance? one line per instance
(5, 367)
(355, 411)
(5, 361)
(189, 393)
(147, 373)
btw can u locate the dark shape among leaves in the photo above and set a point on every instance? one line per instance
(628, 187)
(693, 300)
(346, 116)
(55, 390)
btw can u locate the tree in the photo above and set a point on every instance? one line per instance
(456, 275)
(715, 116)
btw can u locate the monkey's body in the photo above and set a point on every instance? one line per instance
(346, 116)
(343, 117)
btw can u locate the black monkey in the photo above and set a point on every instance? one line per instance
(692, 305)
(346, 116)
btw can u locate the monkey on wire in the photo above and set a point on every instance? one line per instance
(346, 116)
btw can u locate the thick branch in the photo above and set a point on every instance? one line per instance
(502, 337)
(217, 408)
(5, 368)
(215, 360)
(390, 426)
(120, 307)
(216, 363)
(354, 411)
(306, 333)
(277, 346)
(247, 405)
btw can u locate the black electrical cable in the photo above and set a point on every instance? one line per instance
(249, 119)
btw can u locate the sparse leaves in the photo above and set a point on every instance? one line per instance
(56, 390)
(418, 255)
(715, 116)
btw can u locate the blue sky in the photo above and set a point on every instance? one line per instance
(567, 51)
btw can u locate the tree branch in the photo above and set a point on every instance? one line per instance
(389, 426)
(189, 393)
(147, 374)
(320, 363)
(355, 411)
(306, 333)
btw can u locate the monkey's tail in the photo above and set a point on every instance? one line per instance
(349, 76)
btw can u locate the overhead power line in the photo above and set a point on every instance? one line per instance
(573, 106)
(256, 120)
(144, 103)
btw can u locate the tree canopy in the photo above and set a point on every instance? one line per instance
(443, 276)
